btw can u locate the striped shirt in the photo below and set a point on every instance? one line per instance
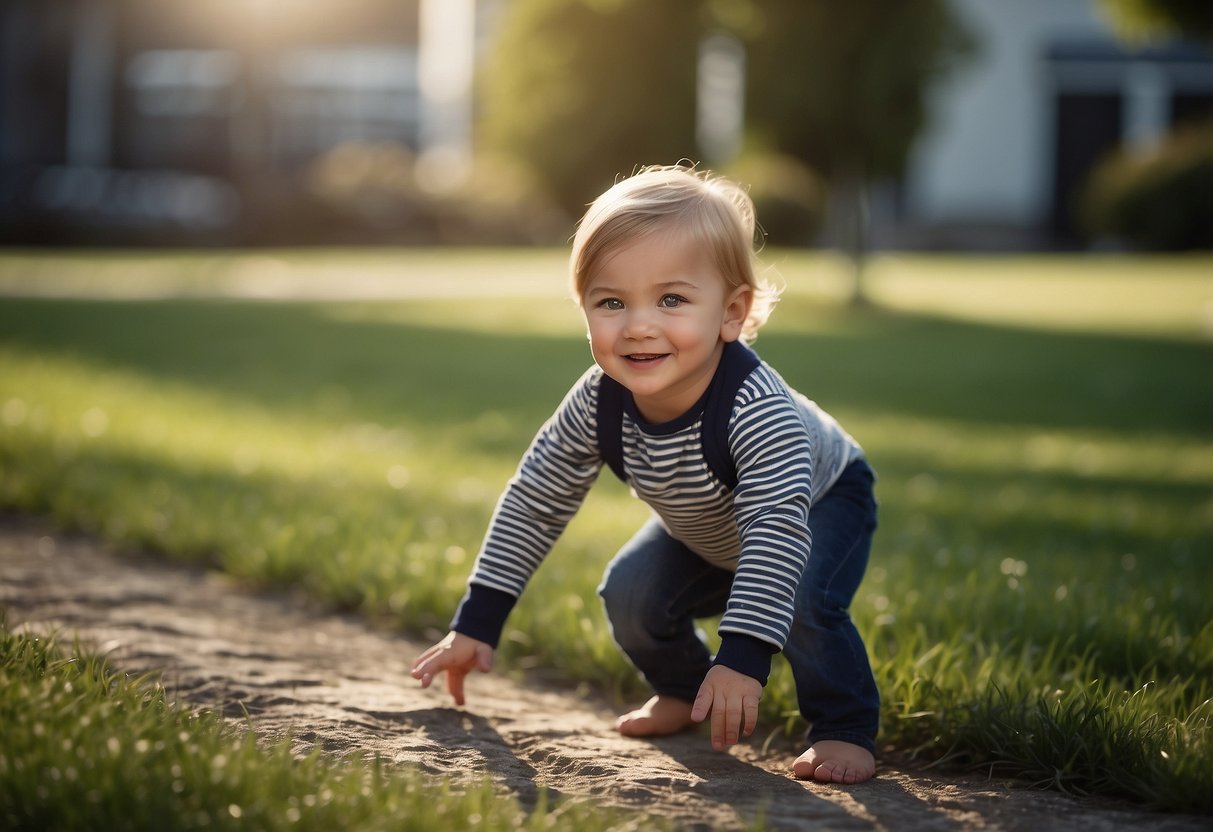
(787, 452)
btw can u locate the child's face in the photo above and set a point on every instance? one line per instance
(659, 313)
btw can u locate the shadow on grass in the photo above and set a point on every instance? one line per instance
(296, 358)
(299, 357)
(938, 368)
(284, 355)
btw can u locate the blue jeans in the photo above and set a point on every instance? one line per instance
(656, 587)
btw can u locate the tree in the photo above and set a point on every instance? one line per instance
(583, 91)
(843, 86)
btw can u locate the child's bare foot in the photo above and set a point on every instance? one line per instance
(658, 717)
(834, 761)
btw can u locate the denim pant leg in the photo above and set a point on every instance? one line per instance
(653, 591)
(834, 684)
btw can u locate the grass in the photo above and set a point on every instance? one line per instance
(1042, 427)
(86, 748)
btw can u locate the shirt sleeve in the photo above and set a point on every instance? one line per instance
(548, 488)
(771, 448)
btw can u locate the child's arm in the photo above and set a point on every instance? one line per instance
(547, 489)
(732, 700)
(456, 654)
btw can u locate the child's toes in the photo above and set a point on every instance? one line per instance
(835, 762)
(833, 771)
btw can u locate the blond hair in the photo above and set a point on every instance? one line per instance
(715, 211)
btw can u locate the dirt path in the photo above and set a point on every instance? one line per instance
(335, 681)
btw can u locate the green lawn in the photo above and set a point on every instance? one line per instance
(1038, 600)
(86, 748)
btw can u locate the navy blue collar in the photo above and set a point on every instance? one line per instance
(736, 362)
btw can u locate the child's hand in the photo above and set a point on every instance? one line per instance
(732, 699)
(456, 654)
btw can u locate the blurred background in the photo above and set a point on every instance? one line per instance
(872, 124)
(282, 292)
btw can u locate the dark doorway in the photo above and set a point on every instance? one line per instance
(1088, 126)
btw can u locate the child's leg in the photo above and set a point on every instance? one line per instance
(834, 683)
(653, 591)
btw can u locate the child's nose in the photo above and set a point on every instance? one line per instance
(640, 323)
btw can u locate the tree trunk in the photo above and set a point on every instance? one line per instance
(852, 220)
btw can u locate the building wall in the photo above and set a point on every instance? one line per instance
(986, 156)
(1013, 134)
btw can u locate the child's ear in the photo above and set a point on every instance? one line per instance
(736, 310)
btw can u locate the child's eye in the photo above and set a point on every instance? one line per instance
(671, 301)
(610, 303)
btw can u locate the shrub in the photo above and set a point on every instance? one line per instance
(376, 193)
(1158, 200)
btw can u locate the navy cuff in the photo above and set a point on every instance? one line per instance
(746, 654)
(482, 613)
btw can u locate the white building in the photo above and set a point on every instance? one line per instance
(1049, 90)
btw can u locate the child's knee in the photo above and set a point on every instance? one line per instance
(618, 596)
(609, 589)
(632, 614)
(821, 610)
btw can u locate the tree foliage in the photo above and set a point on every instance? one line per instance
(842, 86)
(582, 91)
(1146, 18)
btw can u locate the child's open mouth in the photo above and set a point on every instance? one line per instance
(645, 357)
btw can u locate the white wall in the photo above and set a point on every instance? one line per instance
(986, 156)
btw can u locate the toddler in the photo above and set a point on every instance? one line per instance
(763, 507)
